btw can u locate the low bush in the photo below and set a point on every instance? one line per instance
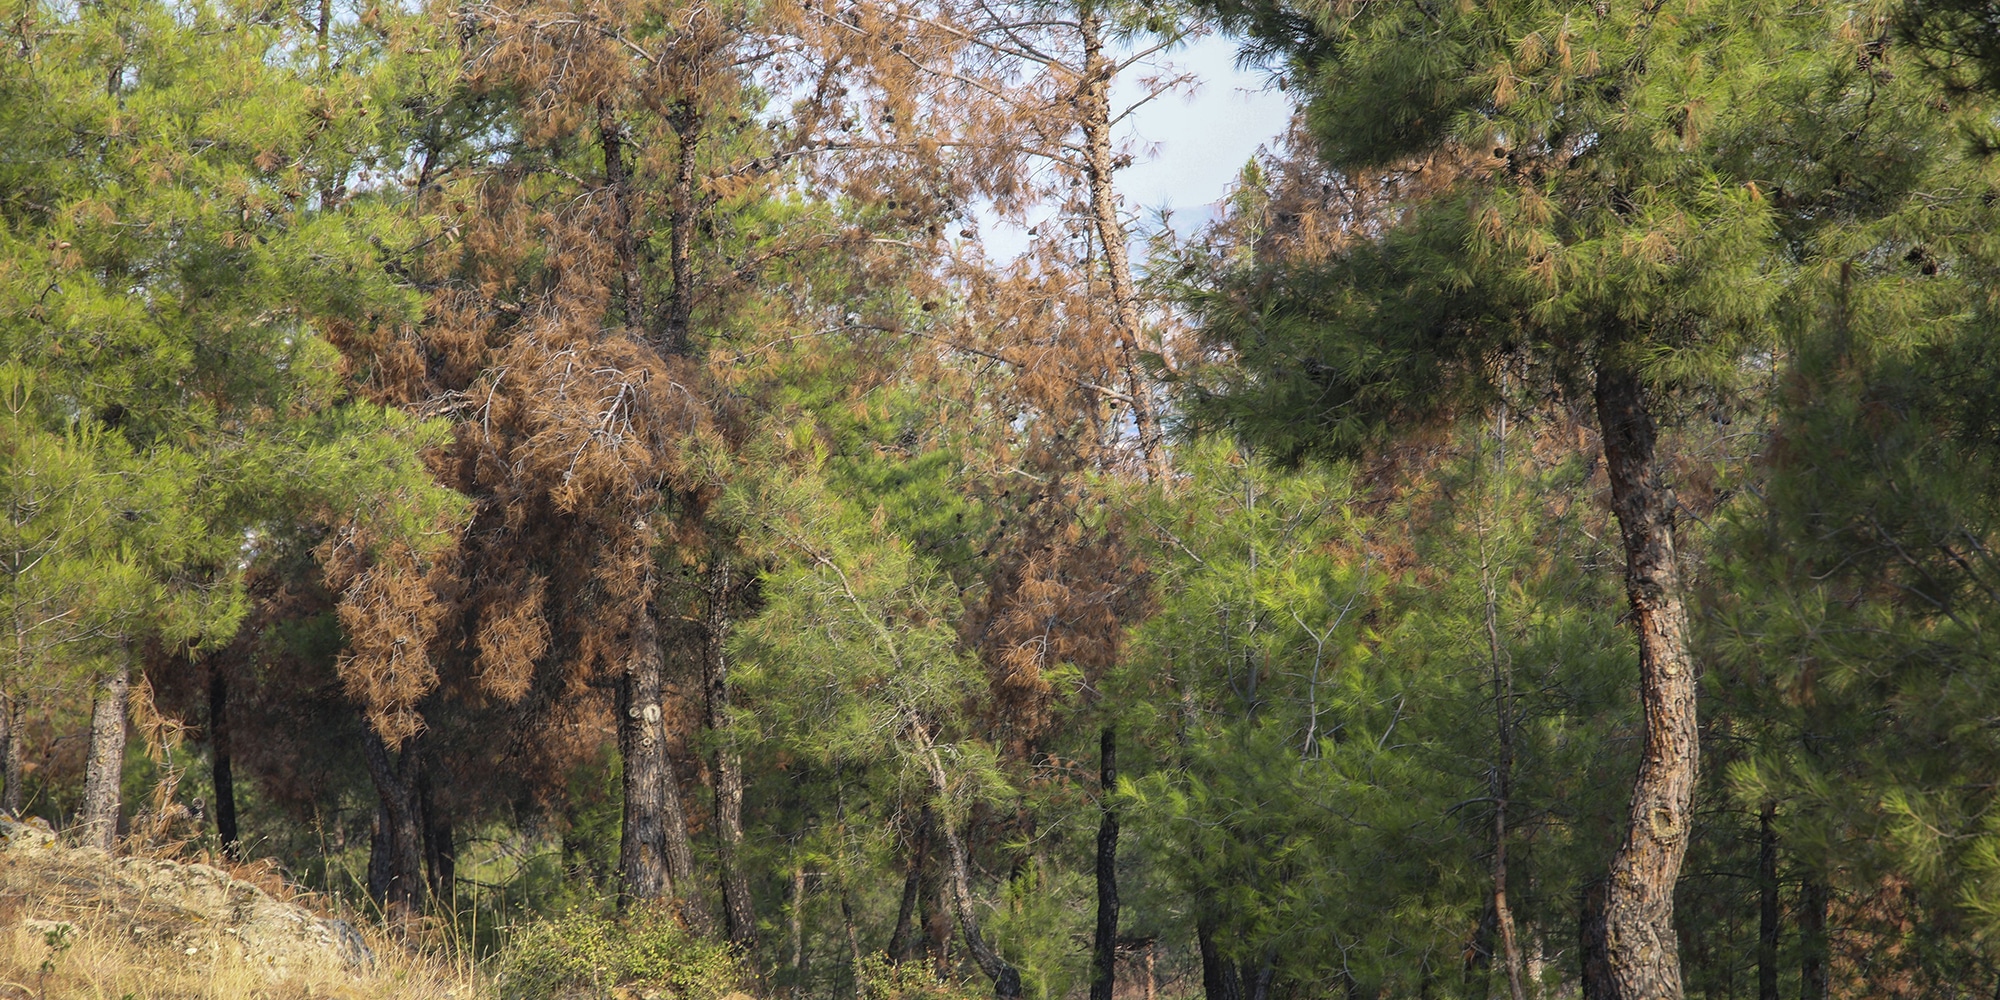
(643, 954)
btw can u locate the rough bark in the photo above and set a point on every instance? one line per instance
(1006, 979)
(739, 915)
(219, 764)
(1812, 939)
(1640, 945)
(642, 746)
(687, 123)
(1100, 166)
(396, 862)
(97, 821)
(1767, 903)
(1105, 955)
(618, 186)
(12, 718)
(680, 852)
(1219, 979)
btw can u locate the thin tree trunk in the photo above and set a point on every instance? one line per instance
(1503, 729)
(1006, 979)
(680, 852)
(738, 913)
(853, 940)
(1219, 979)
(1767, 908)
(906, 913)
(798, 917)
(624, 246)
(440, 843)
(1094, 120)
(1104, 977)
(1812, 939)
(937, 918)
(396, 863)
(218, 753)
(1641, 945)
(687, 123)
(97, 823)
(12, 717)
(642, 745)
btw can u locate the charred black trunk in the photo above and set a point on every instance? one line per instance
(902, 939)
(218, 753)
(395, 863)
(1105, 956)
(1767, 904)
(1219, 978)
(1596, 969)
(1813, 979)
(440, 844)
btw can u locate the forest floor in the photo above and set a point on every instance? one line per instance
(77, 922)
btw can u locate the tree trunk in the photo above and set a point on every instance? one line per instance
(687, 123)
(396, 863)
(1812, 939)
(798, 920)
(642, 746)
(218, 753)
(936, 897)
(1640, 943)
(1593, 954)
(680, 853)
(738, 913)
(854, 953)
(1094, 120)
(12, 717)
(1104, 975)
(1503, 729)
(97, 823)
(900, 939)
(1006, 979)
(624, 247)
(1259, 986)
(440, 844)
(1219, 979)
(1767, 908)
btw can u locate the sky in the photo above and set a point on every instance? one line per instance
(1186, 148)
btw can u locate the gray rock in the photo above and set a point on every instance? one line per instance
(174, 906)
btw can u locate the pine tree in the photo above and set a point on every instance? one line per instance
(169, 289)
(1618, 243)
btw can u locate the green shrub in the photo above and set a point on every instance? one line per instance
(643, 955)
(882, 979)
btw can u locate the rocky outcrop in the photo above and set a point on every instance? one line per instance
(167, 907)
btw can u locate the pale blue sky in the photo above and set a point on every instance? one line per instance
(1186, 149)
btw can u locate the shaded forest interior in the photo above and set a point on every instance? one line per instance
(568, 480)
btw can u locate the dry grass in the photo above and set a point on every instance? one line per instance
(70, 927)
